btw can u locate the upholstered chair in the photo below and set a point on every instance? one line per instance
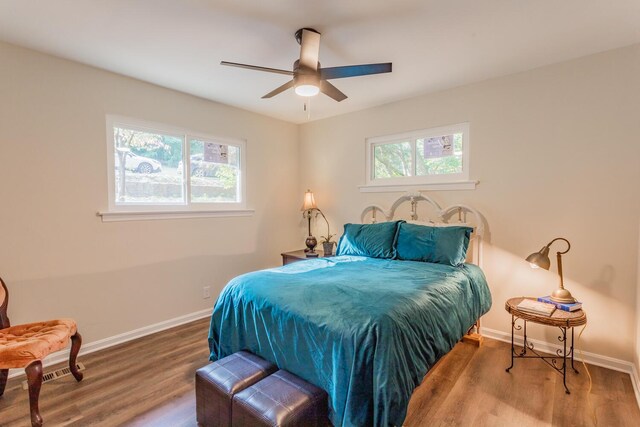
(24, 346)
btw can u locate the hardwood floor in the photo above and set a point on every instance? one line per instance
(469, 387)
(142, 382)
(149, 382)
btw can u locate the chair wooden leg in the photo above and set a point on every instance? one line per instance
(4, 373)
(76, 342)
(34, 379)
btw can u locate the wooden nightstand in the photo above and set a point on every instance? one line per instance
(301, 255)
(561, 319)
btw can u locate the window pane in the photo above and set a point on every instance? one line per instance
(215, 172)
(392, 160)
(439, 155)
(146, 167)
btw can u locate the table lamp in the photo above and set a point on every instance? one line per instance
(541, 259)
(307, 208)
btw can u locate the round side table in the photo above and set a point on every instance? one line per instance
(563, 320)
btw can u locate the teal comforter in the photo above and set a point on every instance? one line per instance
(365, 330)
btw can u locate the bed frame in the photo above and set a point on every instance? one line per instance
(459, 213)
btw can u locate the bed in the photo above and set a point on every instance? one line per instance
(366, 330)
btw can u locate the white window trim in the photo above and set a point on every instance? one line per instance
(459, 181)
(186, 209)
(403, 188)
(148, 215)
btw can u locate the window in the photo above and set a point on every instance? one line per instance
(429, 156)
(154, 167)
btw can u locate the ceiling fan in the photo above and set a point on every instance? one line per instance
(309, 78)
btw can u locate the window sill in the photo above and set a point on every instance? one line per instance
(154, 215)
(443, 186)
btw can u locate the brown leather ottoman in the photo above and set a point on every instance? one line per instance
(281, 399)
(217, 382)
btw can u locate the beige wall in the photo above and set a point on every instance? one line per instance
(56, 255)
(556, 152)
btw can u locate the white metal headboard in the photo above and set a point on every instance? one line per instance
(441, 215)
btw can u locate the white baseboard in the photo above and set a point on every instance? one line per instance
(591, 358)
(63, 355)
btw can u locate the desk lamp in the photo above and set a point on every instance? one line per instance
(541, 259)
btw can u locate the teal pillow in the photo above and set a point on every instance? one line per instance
(442, 245)
(370, 240)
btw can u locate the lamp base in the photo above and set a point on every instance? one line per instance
(311, 243)
(562, 296)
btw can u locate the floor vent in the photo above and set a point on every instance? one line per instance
(58, 373)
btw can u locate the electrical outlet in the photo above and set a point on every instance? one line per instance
(206, 292)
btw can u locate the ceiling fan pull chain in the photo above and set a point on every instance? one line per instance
(307, 107)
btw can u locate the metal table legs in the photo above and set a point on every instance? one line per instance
(552, 361)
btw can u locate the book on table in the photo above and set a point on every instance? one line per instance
(536, 307)
(561, 305)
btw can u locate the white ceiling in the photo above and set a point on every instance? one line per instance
(433, 44)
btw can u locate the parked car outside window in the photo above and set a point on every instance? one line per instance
(200, 167)
(140, 164)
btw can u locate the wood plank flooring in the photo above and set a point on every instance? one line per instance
(150, 382)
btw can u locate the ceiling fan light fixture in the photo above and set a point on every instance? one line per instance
(307, 90)
(307, 84)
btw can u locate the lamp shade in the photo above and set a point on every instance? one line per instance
(540, 259)
(309, 201)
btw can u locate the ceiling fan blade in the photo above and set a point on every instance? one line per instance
(354, 70)
(309, 49)
(257, 68)
(331, 91)
(279, 89)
